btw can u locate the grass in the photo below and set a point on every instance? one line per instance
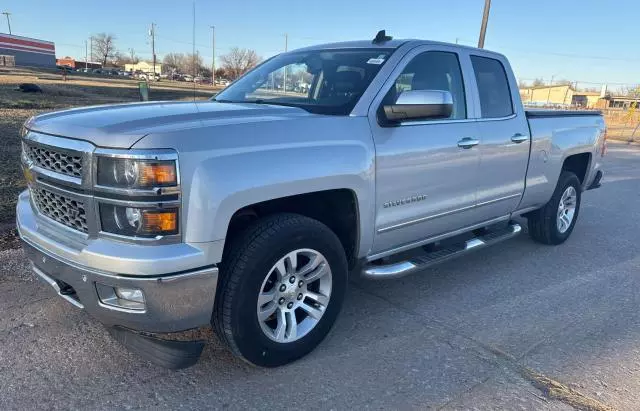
(16, 107)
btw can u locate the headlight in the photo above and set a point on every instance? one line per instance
(138, 222)
(134, 173)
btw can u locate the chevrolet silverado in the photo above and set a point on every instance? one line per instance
(248, 211)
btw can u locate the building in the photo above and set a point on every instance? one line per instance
(587, 99)
(27, 51)
(76, 64)
(547, 95)
(559, 95)
(143, 66)
(624, 103)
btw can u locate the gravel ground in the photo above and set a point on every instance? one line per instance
(516, 326)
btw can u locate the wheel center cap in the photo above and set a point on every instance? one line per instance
(290, 293)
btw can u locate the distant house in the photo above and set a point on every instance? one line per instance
(28, 51)
(144, 66)
(558, 95)
(619, 102)
(547, 95)
(77, 64)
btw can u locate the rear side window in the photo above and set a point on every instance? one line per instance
(493, 87)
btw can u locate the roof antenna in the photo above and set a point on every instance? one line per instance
(381, 37)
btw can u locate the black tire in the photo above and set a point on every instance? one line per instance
(249, 259)
(542, 223)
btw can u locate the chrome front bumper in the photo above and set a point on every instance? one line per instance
(175, 300)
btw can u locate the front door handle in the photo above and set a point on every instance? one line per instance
(468, 142)
(519, 138)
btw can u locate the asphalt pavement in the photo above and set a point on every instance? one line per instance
(516, 326)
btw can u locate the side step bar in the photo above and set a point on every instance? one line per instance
(413, 264)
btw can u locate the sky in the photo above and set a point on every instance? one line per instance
(588, 41)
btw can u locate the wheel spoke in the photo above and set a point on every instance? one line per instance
(292, 325)
(281, 269)
(266, 311)
(265, 297)
(320, 299)
(292, 259)
(281, 329)
(317, 273)
(313, 312)
(567, 220)
(315, 260)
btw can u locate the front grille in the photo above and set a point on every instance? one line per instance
(54, 160)
(59, 208)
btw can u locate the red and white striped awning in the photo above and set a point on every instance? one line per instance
(27, 44)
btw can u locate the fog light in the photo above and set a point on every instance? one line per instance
(130, 294)
(121, 297)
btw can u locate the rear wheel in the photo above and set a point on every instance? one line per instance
(553, 223)
(281, 289)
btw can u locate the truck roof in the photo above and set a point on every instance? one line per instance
(390, 44)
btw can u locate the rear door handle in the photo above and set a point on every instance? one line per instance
(519, 138)
(468, 142)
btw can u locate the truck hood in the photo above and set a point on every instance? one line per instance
(122, 125)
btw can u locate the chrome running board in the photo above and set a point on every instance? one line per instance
(420, 262)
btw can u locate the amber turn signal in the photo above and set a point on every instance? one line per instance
(157, 174)
(160, 222)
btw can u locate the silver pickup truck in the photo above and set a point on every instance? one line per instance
(247, 212)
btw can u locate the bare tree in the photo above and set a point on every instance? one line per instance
(538, 82)
(522, 84)
(174, 61)
(221, 73)
(133, 58)
(238, 61)
(120, 59)
(104, 47)
(563, 82)
(192, 64)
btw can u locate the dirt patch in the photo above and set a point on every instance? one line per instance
(558, 391)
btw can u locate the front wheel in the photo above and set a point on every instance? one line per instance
(282, 287)
(553, 223)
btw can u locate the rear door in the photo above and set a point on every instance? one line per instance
(504, 136)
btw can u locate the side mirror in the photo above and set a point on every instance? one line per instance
(419, 105)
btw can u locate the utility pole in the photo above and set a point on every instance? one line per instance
(132, 54)
(213, 53)
(6, 13)
(86, 54)
(286, 46)
(152, 33)
(91, 48)
(549, 92)
(483, 27)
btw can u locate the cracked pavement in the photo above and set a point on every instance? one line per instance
(452, 337)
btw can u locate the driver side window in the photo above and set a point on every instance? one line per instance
(433, 70)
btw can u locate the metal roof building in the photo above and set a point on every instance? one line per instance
(28, 51)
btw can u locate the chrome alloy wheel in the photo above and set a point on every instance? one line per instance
(566, 209)
(294, 295)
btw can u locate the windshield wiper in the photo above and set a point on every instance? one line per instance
(222, 101)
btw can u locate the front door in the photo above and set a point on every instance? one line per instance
(425, 182)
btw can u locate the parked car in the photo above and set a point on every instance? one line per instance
(187, 77)
(249, 211)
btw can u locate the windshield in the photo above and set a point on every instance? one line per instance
(319, 81)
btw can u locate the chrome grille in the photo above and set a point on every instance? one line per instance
(59, 208)
(54, 160)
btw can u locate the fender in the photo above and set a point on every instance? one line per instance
(228, 167)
